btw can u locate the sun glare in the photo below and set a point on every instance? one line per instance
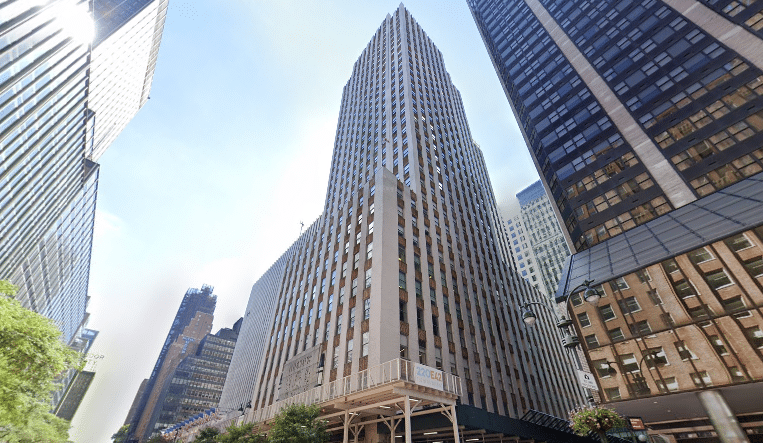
(75, 20)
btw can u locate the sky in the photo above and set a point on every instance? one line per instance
(210, 181)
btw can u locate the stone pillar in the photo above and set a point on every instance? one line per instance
(723, 419)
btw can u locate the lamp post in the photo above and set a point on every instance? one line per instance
(569, 340)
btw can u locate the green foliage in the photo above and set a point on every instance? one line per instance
(121, 435)
(247, 433)
(32, 355)
(207, 435)
(298, 424)
(595, 419)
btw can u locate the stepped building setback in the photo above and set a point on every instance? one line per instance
(645, 121)
(402, 297)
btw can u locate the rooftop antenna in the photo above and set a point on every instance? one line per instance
(301, 225)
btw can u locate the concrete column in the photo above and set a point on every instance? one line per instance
(456, 437)
(723, 419)
(407, 419)
(346, 438)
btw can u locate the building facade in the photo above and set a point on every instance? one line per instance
(538, 243)
(644, 120)
(56, 96)
(408, 268)
(198, 380)
(192, 323)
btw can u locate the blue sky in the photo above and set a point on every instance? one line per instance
(209, 183)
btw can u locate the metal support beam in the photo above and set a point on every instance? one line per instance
(407, 419)
(451, 414)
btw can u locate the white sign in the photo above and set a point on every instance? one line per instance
(587, 380)
(300, 373)
(426, 376)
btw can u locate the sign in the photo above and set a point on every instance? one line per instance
(637, 424)
(300, 373)
(426, 376)
(586, 380)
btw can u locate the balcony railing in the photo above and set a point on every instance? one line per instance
(385, 373)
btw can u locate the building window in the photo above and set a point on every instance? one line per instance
(668, 384)
(420, 319)
(613, 393)
(700, 255)
(628, 363)
(616, 334)
(335, 362)
(684, 352)
(643, 276)
(618, 284)
(328, 330)
(684, 289)
(401, 280)
(718, 345)
(654, 357)
(718, 279)
(352, 317)
(603, 368)
(754, 266)
(422, 352)
(654, 297)
(591, 341)
(403, 312)
(755, 336)
(641, 328)
(368, 278)
(364, 349)
(629, 305)
(366, 309)
(701, 379)
(737, 375)
(738, 243)
(583, 320)
(607, 313)
(403, 346)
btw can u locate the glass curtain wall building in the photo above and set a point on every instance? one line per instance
(645, 121)
(59, 93)
(410, 259)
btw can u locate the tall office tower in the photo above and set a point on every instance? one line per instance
(59, 89)
(198, 380)
(538, 227)
(245, 363)
(645, 123)
(403, 292)
(192, 323)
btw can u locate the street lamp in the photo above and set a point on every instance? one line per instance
(569, 340)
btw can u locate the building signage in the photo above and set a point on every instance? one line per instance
(637, 424)
(586, 380)
(300, 373)
(426, 376)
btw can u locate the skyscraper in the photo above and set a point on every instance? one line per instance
(67, 88)
(192, 323)
(539, 246)
(645, 120)
(408, 269)
(198, 380)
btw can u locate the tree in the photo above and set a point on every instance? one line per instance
(207, 435)
(122, 434)
(595, 419)
(298, 424)
(32, 355)
(247, 433)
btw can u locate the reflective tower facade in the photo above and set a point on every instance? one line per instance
(645, 120)
(67, 88)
